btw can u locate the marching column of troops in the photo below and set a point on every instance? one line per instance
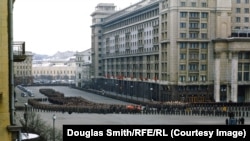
(57, 102)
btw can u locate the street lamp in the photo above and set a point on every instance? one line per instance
(105, 87)
(25, 115)
(116, 89)
(151, 91)
(54, 118)
(131, 91)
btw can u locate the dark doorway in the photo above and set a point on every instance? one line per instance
(241, 93)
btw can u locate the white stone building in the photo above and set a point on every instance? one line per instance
(54, 71)
(83, 62)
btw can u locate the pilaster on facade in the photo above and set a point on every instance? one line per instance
(234, 77)
(217, 77)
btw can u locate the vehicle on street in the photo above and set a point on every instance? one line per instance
(23, 94)
(30, 93)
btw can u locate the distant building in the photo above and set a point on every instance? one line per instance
(83, 62)
(23, 70)
(54, 71)
(173, 50)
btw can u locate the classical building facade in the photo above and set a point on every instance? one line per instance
(83, 62)
(23, 70)
(169, 50)
(54, 71)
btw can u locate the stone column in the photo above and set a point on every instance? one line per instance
(234, 77)
(217, 77)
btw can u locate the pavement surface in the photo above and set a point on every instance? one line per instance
(114, 119)
(129, 119)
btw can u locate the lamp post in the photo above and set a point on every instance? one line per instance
(105, 86)
(131, 91)
(126, 91)
(25, 115)
(116, 89)
(54, 118)
(151, 91)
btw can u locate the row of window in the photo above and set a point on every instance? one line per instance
(192, 56)
(138, 59)
(193, 25)
(193, 67)
(193, 35)
(132, 75)
(133, 19)
(246, 10)
(144, 25)
(24, 73)
(126, 51)
(134, 67)
(242, 28)
(192, 88)
(23, 67)
(239, 19)
(240, 1)
(193, 4)
(54, 72)
(124, 40)
(244, 67)
(244, 55)
(194, 14)
(192, 78)
(193, 45)
(243, 76)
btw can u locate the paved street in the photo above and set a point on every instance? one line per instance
(130, 119)
(67, 91)
(121, 119)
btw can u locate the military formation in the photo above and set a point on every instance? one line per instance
(56, 101)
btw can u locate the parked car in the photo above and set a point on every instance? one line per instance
(30, 93)
(23, 94)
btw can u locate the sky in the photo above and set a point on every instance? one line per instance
(49, 26)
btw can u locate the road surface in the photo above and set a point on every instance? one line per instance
(113, 119)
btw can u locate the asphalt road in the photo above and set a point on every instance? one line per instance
(114, 119)
(67, 91)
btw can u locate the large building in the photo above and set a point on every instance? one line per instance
(173, 50)
(83, 62)
(23, 70)
(54, 71)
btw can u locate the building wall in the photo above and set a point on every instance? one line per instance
(173, 47)
(4, 72)
(102, 11)
(23, 70)
(240, 14)
(54, 70)
(83, 62)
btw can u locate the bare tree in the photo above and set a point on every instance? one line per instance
(36, 125)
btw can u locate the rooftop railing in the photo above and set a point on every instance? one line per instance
(19, 51)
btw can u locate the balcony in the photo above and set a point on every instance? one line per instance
(240, 33)
(19, 51)
(194, 18)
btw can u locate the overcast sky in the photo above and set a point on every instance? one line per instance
(48, 26)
